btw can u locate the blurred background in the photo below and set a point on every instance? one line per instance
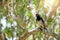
(18, 20)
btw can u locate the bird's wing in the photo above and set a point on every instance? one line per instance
(40, 24)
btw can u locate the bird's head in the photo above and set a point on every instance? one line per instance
(37, 14)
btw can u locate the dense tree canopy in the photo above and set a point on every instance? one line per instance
(18, 19)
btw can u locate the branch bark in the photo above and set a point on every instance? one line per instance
(35, 31)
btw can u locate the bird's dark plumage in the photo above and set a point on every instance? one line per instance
(38, 18)
(40, 21)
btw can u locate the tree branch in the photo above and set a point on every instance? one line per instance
(46, 33)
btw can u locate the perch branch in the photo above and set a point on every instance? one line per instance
(35, 31)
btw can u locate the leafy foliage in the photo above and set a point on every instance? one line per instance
(20, 11)
(8, 32)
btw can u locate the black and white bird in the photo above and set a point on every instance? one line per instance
(40, 22)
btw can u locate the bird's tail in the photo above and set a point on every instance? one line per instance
(42, 29)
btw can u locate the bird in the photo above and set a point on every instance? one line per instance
(40, 22)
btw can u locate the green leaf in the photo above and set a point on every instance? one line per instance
(29, 27)
(50, 21)
(22, 10)
(57, 30)
(58, 14)
(29, 14)
(8, 32)
(1, 15)
(18, 31)
(11, 20)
